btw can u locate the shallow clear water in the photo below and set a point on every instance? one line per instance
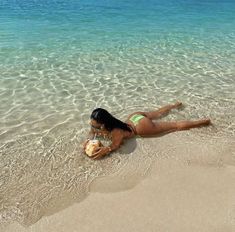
(61, 59)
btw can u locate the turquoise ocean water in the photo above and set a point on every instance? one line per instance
(61, 59)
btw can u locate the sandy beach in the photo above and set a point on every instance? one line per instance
(181, 191)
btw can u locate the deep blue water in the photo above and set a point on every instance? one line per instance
(84, 25)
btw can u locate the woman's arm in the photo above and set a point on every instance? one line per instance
(117, 140)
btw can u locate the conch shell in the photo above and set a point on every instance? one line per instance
(92, 146)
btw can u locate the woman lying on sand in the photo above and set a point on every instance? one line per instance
(138, 123)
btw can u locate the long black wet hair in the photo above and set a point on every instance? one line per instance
(102, 116)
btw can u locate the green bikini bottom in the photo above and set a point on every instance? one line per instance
(136, 118)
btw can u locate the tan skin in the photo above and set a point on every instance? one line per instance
(145, 128)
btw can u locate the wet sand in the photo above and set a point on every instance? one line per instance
(190, 187)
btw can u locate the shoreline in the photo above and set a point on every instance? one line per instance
(192, 189)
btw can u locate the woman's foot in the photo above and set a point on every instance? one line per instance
(178, 104)
(206, 122)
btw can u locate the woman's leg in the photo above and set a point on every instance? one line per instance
(162, 111)
(148, 128)
(157, 113)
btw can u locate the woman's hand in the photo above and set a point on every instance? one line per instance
(101, 151)
(84, 144)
